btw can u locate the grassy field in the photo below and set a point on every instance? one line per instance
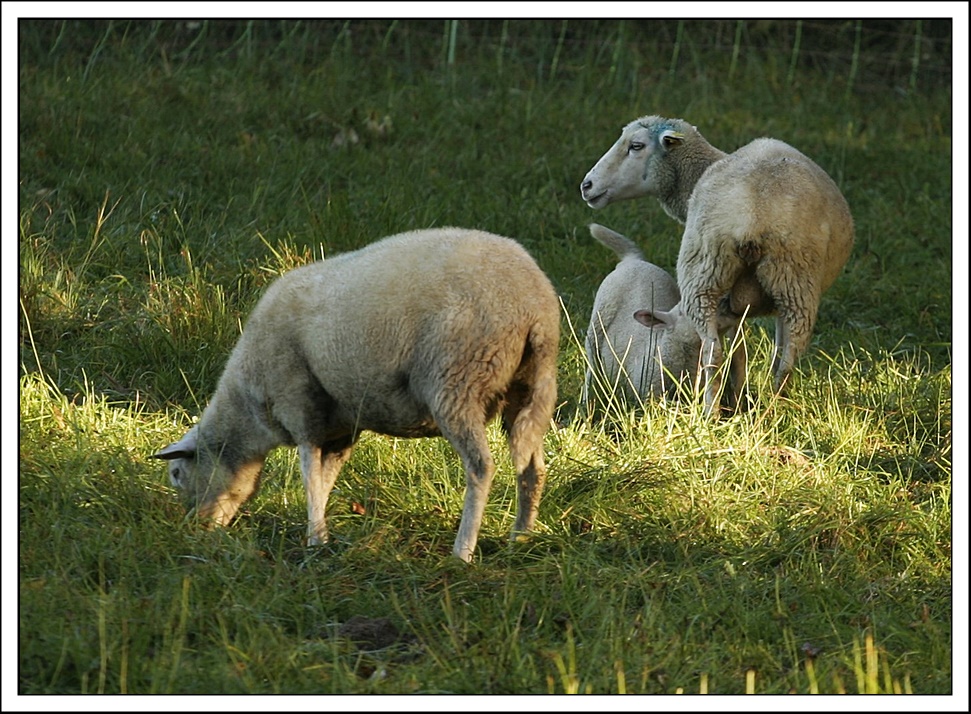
(169, 171)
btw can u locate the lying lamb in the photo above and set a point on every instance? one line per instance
(765, 229)
(624, 360)
(426, 333)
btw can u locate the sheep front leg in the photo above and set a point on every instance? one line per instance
(320, 466)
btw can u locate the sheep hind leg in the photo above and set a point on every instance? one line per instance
(704, 279)
(470, 441)
(792, 336)
(712, 359)
(736, 398)
(320, 466)
(526, 424)
(703, 316)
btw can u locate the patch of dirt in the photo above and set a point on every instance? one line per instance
(373, 633)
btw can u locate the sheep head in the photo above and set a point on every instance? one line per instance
(208, 480)
(654, 156)
(629, 169)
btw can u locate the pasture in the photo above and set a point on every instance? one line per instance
(168, 171)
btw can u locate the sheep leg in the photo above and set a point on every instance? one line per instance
(525, 428)
(737, 397)
(707, 270)
(320, 466)
(793, 331)
(711, 362)
(712, 356)
(470, 441)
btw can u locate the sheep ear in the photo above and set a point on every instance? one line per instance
(183, 449)
(654, 318)
(670, 138)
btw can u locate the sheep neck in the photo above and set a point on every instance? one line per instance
(688, 171)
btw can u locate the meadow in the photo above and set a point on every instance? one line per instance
(168, 171)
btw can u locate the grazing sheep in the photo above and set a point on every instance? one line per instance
(624, 359)
(426, 333)
(766, 230)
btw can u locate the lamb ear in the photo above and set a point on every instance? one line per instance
(182, 449)
(655, 318)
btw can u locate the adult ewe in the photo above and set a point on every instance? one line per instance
(764, 224)
(426, 333)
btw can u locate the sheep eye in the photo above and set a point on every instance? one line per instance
(635, 146)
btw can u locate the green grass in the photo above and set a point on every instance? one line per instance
(169, 173)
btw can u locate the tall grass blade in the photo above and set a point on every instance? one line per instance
(676, 50)
(556, 53)
(619, 49)
(501, 50)
(915, 60)
(794, 57)
(92, 60)
(855, 63)
(736, 48)
(452, 29)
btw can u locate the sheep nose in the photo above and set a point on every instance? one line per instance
(586, 185)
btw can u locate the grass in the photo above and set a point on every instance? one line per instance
(168, 172)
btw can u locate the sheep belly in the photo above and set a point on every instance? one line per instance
(392, 410)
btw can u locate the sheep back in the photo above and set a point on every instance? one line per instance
(768, 231)
(381, 337)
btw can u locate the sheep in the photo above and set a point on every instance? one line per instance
(766, 230)
(622, 357)
(425, 333)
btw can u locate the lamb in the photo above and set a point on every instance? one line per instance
(767, 231)
(624, 359)
(426, 333)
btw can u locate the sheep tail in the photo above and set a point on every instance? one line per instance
(530, 411)
(623, 246)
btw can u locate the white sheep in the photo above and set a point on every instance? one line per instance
(426, 333)
(623, 359)
(766, 230)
